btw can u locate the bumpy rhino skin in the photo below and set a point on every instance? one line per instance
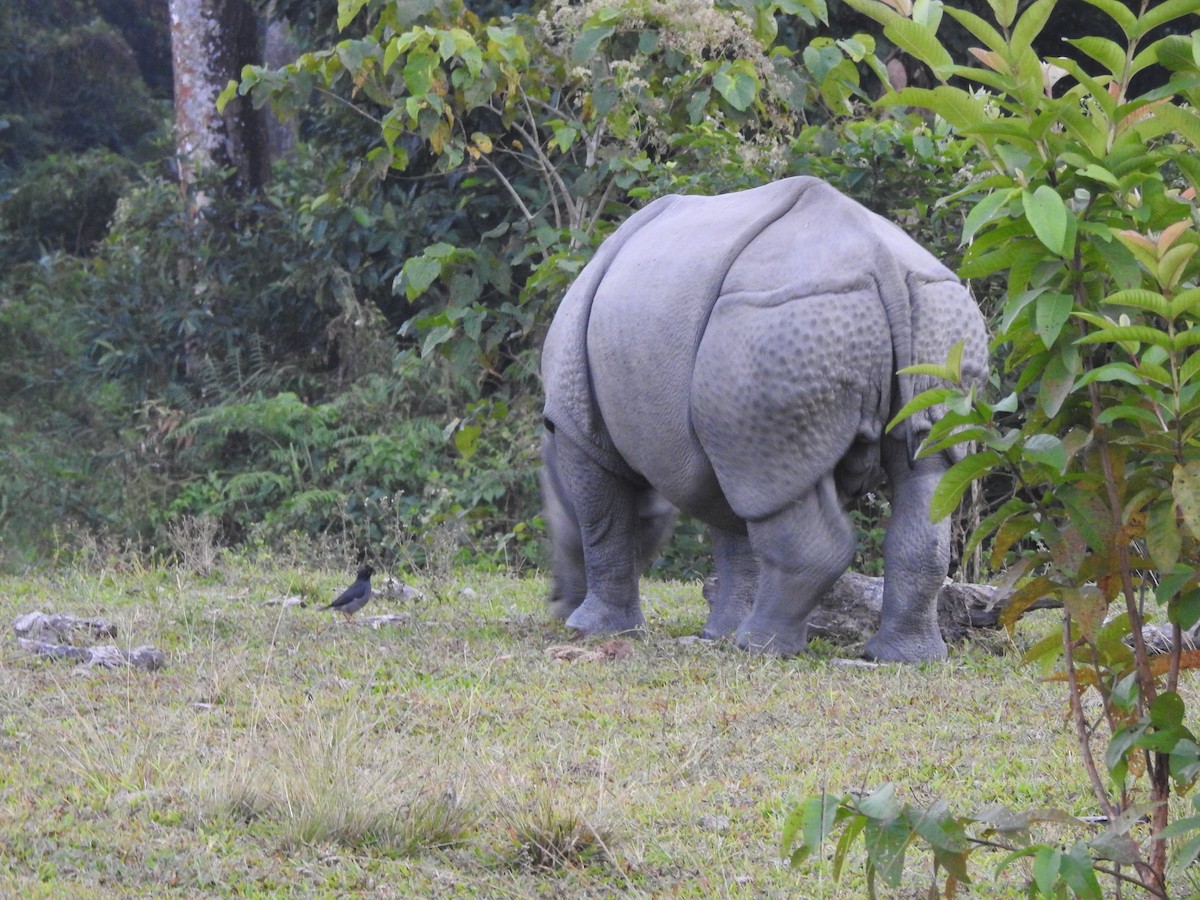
(736, 357)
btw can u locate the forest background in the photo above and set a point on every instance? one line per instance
(339, 346)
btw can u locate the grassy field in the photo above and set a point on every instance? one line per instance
(282, 752)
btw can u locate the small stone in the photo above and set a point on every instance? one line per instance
(286, 602)
(715, 823)
(856, 663)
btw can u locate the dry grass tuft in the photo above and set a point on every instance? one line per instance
(323, 780)
(194, 540)
(549, 836)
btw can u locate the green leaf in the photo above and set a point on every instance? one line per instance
(418, 72)
(1162, 13)
(466, 440)
(1163, 540)
(1140, 298)
(1047, 450)
(881, 803)
(1116, 334)
(1173, 582)
(965, 112)
(1100, 174)
(1186, 339)
(927, 14)
(1051, 313)
(1118, 12)
(952, 485)
(1183, 121)
(939, 828)
(1185, 767)
(1031, 23)
(819, 815)
(1049, 217)
(1174, 52)
(226, 95)
(347, 10)
(1185, 489)
(1128, 412)
(1167, 710)
(985, 211)
(820, 58)
(564, 137)
(737, 83)
(1118, 371)
(980, 28)
(919, 41)
(791, 826)
(923, 400)
(1079, 874)
(850, 833)
(589, 42)
(1108, 53)
(1182, 827)
(1058, 380)
(1005, 11)
(355, 54)
(1184, 302)
(886, 842)
(1047, 863)
(419, 273)
(435, 338)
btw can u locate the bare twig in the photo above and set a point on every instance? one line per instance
(1081, 728)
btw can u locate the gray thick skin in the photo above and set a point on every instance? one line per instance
(655, 520)
(746, 378)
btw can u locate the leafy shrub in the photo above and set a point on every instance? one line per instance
(62, 203)
(1084, 200)
(70, 83)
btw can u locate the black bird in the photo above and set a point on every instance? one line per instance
(355, 597)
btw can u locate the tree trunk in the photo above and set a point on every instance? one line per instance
(211, 40)
(279, 49)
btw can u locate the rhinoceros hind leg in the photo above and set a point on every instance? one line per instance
(606, 508)
(737, 580)
(568, 585)
(802, 550)
(916, 555)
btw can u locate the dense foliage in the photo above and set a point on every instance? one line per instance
(358, 344)
(1085, 201)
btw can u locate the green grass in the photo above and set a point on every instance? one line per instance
(283, 752)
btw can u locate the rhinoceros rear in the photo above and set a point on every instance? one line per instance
(738, 355)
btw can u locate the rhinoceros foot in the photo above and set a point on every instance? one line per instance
(893, 646)
(723, 623)
(560, 608)
(771, 642)
(596, 618)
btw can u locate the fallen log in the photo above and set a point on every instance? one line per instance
(105, 656)
(62, 627)
(850, 611)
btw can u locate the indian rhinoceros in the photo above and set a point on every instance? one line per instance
(737, 356)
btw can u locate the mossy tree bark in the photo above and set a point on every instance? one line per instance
(211, 41)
